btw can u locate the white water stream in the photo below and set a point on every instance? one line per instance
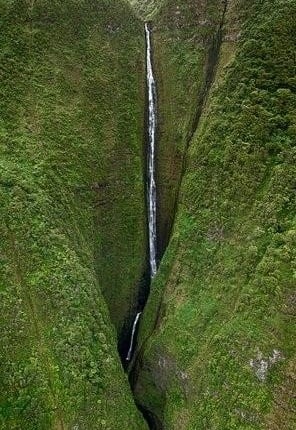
(151, 153)
(129, 354)
(151, 186)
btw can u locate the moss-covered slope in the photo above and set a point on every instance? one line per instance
(185, 39)
(71, 110)
(220, 353)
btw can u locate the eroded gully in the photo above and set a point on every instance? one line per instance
(151, 189)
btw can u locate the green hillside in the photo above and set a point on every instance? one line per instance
(218, 350)
(72, 211)
(183, 55)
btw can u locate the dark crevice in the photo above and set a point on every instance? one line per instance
(144, 284)
(153, 422)
(125, 333)
(144, 289)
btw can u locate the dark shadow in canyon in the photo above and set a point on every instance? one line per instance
(210, 73)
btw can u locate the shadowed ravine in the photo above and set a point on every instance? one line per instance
(151, 190)
(134, 364)
(151, 149)
(128, 337)
(151, 205)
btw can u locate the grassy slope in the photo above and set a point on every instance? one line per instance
(225, 291)
(180, 57)
(61, 134)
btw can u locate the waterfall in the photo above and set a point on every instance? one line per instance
(129, 354)
(151, 185)
(151, 198)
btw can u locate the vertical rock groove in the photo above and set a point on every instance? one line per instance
(151, 124)
(151, 183)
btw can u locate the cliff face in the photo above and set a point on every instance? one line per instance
(72, 216)
(184, 37)
(216, 349)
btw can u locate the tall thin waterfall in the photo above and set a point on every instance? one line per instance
(152, 99)
(151, 186)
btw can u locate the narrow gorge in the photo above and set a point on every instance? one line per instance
(151, 187)
(151, 183)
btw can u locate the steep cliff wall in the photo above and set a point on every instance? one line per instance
(72, 216)
(216, 348)
(184, 35)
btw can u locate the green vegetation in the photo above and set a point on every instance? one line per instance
(147, 9)
(216, 339)
(220, 354)
(181, 53)
(71, 184)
